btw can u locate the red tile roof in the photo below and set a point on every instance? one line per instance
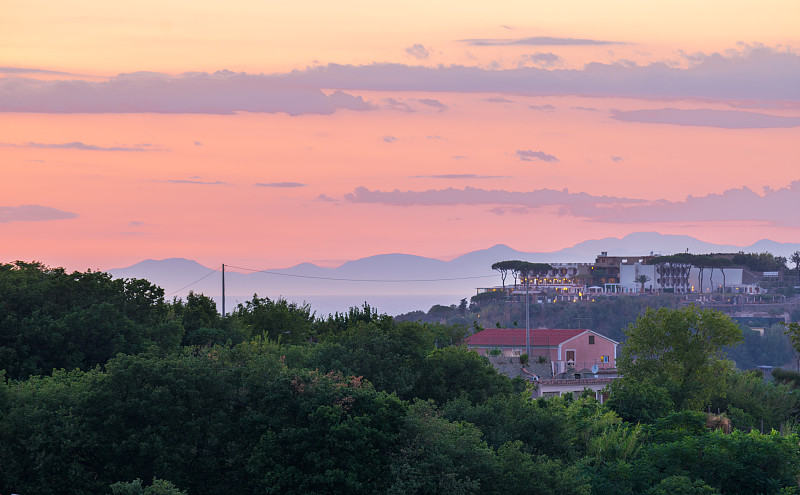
(516, 336)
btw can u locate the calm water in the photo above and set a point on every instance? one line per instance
(390, 304)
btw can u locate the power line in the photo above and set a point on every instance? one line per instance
(270, 272)
(198, 280)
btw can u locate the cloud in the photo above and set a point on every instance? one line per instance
(460, 176)
(778, 207)
(280, 184)
(476, 196)
(530, 155)
(543, 108)
(758, 73)
(586, 109)
(418, 51)
(397, 104)
(433, 103)
(753, 73)
(727, 119)
(436, 137)
(502, 210)
(33, 213)
(77, 145)
(616, 159)
(413, 104)
(222, 92)
(198, 143)
(136, 223)
(537, 41)
(327, 199)
(542, 59)
(460, 157)
(390, 139)
(195, 181)
(498, 99)
(24, 70)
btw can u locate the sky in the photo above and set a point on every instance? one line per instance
(266, 134)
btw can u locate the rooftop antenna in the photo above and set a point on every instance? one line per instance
(223, 290)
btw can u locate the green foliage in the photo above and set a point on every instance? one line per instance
(772, 349)
(748, 399)
(542, 427)
(276, 320)
(158, 487)
(788, 377)
(681, 485)
(390, 356)
(53, 319)
(761, 262)
(792, 330)
(450, 372)
(519, 471)
(639, 401)
(681, 350)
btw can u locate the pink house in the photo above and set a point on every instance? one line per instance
(564, 348)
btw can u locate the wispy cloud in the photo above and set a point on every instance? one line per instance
(77, 145)
(537, 41)
(222, 92)
(543, 108)
(752, 73)
(775, 206)
(530, 155)
(28, 70)
(726, 119)
(195, 181)
(616, 159)
(477, 196)
(33, 213)
(541, 58)
(398, 104)
(441, 107)
(418, 51)
(390, 139)
(460, 176)
(280, 184)
(498, 99)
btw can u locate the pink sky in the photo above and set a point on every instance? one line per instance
(339, 131)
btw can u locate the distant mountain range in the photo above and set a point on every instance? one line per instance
(404, 274)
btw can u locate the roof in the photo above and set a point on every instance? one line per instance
(516, 336)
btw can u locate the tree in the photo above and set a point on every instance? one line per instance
(642, 279)
(793, 331)
(796, 260)
(503, 267)
(681, 350)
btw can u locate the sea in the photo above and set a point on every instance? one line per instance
(323, 305)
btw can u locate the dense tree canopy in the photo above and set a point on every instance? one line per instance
(273, 400)
(53, 319)
(682, 350)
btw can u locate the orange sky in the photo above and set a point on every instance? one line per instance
(268, 189)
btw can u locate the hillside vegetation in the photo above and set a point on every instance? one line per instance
(108, 388)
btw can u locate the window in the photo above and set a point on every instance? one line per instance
(591, 339)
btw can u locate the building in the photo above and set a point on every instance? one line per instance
(564, 349)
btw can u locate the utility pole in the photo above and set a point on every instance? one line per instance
(527, 317)
(223, 290)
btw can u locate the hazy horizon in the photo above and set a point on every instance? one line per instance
(269, 135)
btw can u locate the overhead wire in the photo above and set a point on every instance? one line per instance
(198, 280)
(339, 279)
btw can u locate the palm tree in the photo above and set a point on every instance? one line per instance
(642, 279)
